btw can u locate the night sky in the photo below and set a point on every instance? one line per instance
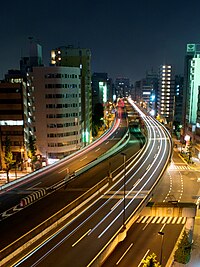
(126, 37)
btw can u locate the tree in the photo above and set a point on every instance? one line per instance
(94, 130)
(98, 114)
(32, 150)
(8, 158)
(189, 151)
(151, 261)
(182, 254)
(97, 120)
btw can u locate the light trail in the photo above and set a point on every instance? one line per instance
(133, 198)
(150, 145)
(81, 238)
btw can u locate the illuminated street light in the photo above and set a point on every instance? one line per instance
(22, 157)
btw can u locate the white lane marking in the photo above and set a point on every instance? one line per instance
(144, 257)
(145, 226)
(155, 218)
(169, 220)
(81, 238)
(107, 142)
(147, 223)
(140, 219)
(174, 220)
(148, 166)
(97, 149)
(124, 254)
(145, 219)
(162, 228)
(165, 219)
(165, 147)
(159, 220)
(83, 158)
(179, 220)
(64, 170)
(33, 186)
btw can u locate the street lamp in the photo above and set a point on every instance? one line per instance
(161, 249)
(22, 157)
(124, 156)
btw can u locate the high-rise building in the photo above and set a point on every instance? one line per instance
(191, 90)
(178, 112)
(101, 89)
(149, 87)
(71, 56)
(166, 94)
(137, 91)
(57, 95)
(122, 87)
(146, 91)
(16, 116)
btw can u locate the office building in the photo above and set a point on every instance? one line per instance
(178, 112)
(122, 87)
(191, 91)
(16, 116)
(71, 56)
(57, 94)
(137, 96)
(149, 88)
(101, 89)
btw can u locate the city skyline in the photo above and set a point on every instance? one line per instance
(125, 40)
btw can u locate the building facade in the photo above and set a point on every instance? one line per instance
(16, 117)
(101, 89)
(191, 91)
(178, 112)
(57, 95)
(71, 56)
(166, 94)
(122, 87)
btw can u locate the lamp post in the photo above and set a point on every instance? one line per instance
(22, 157)
(161, 249)
(124, 217)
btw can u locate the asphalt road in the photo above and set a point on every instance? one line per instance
(143, 239)
(45, 178)
(179, 183)
(27, 218)
(94, 228)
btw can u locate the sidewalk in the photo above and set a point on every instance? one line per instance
(195, 255)
(12, 176)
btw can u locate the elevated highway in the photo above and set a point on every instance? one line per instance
(55, 180)
(105, 221)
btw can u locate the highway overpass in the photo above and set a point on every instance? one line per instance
(105, 221)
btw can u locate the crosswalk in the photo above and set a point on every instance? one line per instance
(174, 167)
(161, 220)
